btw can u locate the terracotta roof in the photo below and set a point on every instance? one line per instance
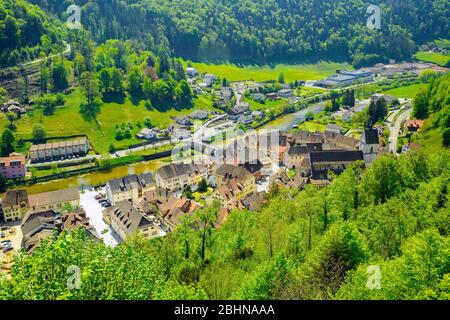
(414, 123)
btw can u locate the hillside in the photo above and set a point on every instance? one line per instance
(26, 31)
(313, 244)
(270, 30)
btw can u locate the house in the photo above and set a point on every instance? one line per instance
(241, 108)
(15, 204)
(254, 167)
(191, 72)
(414, 125)
(177, 176)
(255, 202)
(130, 188)
(298, 182)
(295, 156)
(229, 195)
(183, 120)
(179, 208)
(227, 172)
(337, 161)
(181, 134)
(199, 114)
(59, 150)
(387, 98)
(286, 93)
(272, 96)
(224, 96)
(334, 141)
(280, 178)
(209, 79)
(13, 167)
(38, 226)
(126, 220)
(333, 128)
(147, 134)
(55, 200)
(78, 218)
(303, 137)
(257, 114)
(259, 97)
(369, 145)
(245, 120)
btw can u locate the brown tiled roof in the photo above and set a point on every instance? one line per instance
(14, 199)
(58, 196)
(229, 172)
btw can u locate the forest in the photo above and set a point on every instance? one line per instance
(313, 244)
(256, 31)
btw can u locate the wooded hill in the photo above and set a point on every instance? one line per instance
(25, 32)
(269, 30)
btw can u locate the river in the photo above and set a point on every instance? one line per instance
(95, 178)
(286, 122)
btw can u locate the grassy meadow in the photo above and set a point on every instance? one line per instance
(407, 92)
(234, 72)
(433, 57)
(67, 120)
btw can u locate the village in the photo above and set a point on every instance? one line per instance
(235, 173)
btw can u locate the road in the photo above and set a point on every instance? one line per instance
(123, 153)
(65, 52)
(395, 128)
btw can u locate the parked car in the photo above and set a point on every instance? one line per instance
(3, 235)
(5, 243)
(98, 197)
(5, 228)
(7, 249)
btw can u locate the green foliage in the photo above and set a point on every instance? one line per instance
(7, 143)
(312, 244)
(39, 133)
(25, 32)
(243, 31)
(59, 76)
(203, 185)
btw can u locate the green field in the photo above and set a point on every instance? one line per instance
(443, 43)
(68, 120)
(433, 57)
(275, 105)
(234, 72)
(407, 92)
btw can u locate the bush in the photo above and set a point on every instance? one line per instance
(60, 99)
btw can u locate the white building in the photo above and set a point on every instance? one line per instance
(191, 72)
(369, 145)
